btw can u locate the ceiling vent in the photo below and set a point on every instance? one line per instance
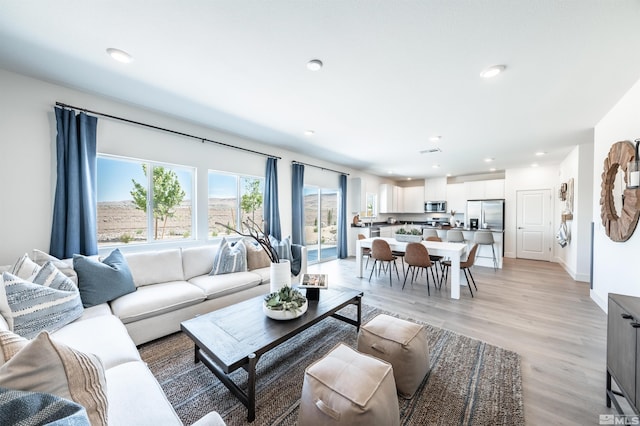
(430, 150)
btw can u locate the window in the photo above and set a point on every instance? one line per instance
(233, 198)
(125, 191)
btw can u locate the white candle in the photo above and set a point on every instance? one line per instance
(634, 179)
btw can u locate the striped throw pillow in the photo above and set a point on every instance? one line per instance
(230, 258)
(49, 302)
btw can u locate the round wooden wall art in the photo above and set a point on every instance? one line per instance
(618, 227)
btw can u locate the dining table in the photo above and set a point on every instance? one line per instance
(453, 251)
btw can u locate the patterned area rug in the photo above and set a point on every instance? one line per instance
(470, 383)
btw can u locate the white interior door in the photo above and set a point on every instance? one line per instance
(533, 235)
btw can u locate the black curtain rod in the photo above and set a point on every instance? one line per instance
(203, 140)
(319, 167)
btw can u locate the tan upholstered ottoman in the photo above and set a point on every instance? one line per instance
(401, 343)
(346, 387)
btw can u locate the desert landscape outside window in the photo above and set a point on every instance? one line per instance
(233, 198)
(128, 187)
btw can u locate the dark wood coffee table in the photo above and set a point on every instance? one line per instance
(238, 335)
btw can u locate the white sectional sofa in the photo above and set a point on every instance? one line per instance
(175, 285)
(171, 286)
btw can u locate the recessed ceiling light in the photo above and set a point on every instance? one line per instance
(540, 153)
(309, 132)
(492, 71)
(488, 159)
(119, 55)
(435, 138)
(534, 165)
(314, 64)
(436, 166)
(493, 169)
(448, 174)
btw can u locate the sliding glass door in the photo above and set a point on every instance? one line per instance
(321, 223)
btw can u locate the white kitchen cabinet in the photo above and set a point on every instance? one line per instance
(413, 199)
(484, 189)
(456, 197)
(435, 189)
(357, 197)
(391, 198)
(386, 231)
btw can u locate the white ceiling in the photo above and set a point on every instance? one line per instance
(395, 74)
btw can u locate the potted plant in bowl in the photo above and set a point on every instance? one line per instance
(412, 236)
(286, 303)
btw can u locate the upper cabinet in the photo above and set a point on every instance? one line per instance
(357, 197)
(435, 189)
(456, 197)
(397, 199)
(413, 199)
(484, 189)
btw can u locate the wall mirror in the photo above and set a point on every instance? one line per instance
(371, 204)
(618, 204)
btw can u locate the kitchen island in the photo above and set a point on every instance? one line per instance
(483, 255)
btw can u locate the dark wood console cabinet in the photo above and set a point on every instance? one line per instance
(623, 350)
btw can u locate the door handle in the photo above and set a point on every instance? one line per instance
(520, 227)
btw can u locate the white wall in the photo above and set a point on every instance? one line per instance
(614, 263)
(27, 152)
(576, 256)
(529, 178)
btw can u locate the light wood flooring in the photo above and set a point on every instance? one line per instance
(533, 308)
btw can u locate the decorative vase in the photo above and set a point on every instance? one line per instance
(280, 275)
(284, 315)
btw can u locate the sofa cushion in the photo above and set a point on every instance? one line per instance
(45, 365)
(231, 257)
(136, 398)
(198, 260)
(282, 247)
(153, 300)
(155, 267)
(114, 346)
(101, 282)
(257, 257)
(38, 408)
(220, 285)
(48, 303)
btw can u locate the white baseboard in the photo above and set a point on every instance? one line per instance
(576, 276)
(601, 303)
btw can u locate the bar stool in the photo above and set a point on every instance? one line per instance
(486, 238)
(454, 236)
(366, 251)
(426, 233)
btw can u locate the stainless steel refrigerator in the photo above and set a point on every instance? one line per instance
(487, 213)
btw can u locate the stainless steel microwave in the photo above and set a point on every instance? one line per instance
(435, 207)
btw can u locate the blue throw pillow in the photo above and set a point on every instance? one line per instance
(101, 282)
(230, 258)
(36, 408)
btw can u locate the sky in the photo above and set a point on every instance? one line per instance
(114, 179)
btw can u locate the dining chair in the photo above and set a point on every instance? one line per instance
(465, 267)
(417, 258)
(366, 251)
(437, 260)
(381, 253)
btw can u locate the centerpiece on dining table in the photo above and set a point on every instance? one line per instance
(411, 236)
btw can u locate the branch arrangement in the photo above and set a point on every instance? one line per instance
(257, 234)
